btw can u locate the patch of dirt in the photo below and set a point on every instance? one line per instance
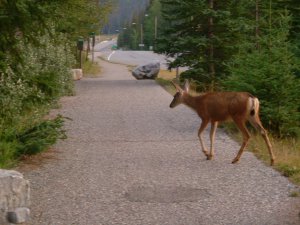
(34, 162)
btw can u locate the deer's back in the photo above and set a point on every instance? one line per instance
(221, 106)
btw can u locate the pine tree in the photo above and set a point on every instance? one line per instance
(153, 23)
(265, 66)
(201, 35)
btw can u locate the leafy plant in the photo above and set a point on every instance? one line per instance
(32, 139)
(41, 136)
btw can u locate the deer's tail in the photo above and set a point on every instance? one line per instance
(254, 106)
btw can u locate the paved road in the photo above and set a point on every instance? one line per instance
(130, 159)
(134, 58)
(104, 46)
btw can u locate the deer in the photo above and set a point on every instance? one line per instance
(216, 107)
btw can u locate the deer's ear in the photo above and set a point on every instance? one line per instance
(186, 86)
(178, 88)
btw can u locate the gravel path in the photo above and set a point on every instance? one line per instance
(130, 159)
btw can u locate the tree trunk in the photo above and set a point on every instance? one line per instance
(212, 71)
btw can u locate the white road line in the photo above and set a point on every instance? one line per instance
(108, 58)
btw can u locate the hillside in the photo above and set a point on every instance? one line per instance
(123, 14)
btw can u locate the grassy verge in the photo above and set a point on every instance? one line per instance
(91, 69)
(31, 135)
(167, 75)
(287, 151)
(164, 79)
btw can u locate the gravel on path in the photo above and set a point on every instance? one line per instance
(129, 159)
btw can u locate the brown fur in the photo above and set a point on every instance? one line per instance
(217, 107)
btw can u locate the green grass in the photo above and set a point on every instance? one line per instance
(28, 139)
(294, 194)
(91, 69)
(166, 84)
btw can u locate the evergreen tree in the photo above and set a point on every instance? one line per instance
(201, 35)
(268, 71)
(153, 24)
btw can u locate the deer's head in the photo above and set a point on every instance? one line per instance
(178, 97)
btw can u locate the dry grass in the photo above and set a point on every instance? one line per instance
(164, 79)
(167, 75)
(91, 69)
(287, 152)
(34, 162)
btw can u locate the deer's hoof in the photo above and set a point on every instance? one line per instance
(272, 162)
(209, 157)
(206, 153)
(235, 161)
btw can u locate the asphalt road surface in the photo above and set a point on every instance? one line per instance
(133, 58)
(130, 159)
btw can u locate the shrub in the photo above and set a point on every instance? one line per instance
(277, 89)
(40, 136)
(28, 87)
(268, 72)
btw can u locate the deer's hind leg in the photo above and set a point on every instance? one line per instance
(242, 127)
(201, 129)
(256, 123)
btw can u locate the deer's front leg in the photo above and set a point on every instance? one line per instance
(202, 127)
(213, 129)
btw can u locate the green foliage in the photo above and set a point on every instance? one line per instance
(40, 137)
(48, 66)
(277, 89)
(36, 57)
(34, 139)
(239, 45)
(77, 17)
(91, 69)
(153, 24)
(201, 36)
(287, 170)
(129, 38)
(42, 78)
(7, 152)
(140, 29)
(18, 18)
(27, 89)
(268, 72)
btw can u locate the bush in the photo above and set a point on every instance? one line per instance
(28, 88)
(41, 76)
(277, 89)
(40, 136)
(33, 139)
(269, 73)
(47, 69)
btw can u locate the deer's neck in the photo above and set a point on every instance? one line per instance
(191, 101)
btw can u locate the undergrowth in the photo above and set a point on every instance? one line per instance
(91, 69)
(29, 88)
(18, 142)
